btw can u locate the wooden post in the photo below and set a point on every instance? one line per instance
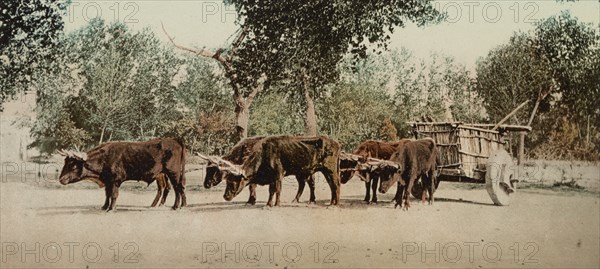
(521, 152)
(509, 115)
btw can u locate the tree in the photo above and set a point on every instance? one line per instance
(572, 50)
(243, 92)
(29, 29)
(113, 84)
(511, 74)
(555, 67)
(298, 44)
(203, 97)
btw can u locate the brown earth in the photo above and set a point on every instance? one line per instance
(63, 226)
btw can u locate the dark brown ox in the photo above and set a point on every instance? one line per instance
(111, 164)
(415, 159)
(236, 156)
(370, 149)
(274, 157)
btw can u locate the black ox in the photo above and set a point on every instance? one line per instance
(111, 164)
(236, 156)
(271, 158)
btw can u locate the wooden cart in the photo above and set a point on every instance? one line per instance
(473, 153)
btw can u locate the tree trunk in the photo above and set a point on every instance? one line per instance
(311, 115)
(102, 134)
(242, 117)
(521, 154)
(587, 133)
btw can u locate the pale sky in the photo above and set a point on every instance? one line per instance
(472, 29)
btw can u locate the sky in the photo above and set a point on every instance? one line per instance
(472, 29)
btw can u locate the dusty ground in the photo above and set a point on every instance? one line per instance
(63, 226)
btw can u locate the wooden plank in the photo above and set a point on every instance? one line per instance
(449, 165)
(508, 127)
(434, 132)
(487, 138)
(477, 129)
(473, 154)
(446, 145)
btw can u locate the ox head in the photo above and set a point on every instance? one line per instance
(219, 169)
(73, 167)
(352, 165)
(389, 173)
(214, 174)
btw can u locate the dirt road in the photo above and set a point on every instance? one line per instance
(48, 225)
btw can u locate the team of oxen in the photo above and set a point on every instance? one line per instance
(260, 161)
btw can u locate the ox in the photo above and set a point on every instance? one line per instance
(236, 156)
(274, 157)
(415, 159)
(111, 164)
(369, 149)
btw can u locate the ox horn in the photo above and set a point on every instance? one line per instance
(81, 155)
(229, 166)
(208, 158)
(62, 152)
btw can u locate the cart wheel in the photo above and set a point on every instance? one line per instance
(498, 177)
(417, 189)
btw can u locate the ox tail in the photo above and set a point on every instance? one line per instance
(183, 153)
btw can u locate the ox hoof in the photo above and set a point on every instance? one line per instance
(295, 201)
(312, 202)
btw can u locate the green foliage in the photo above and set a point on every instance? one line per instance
(511, 74)
(353, 113)
(29, 30)
(207, 124)
(562, 58)
(117, 84)
(298, 44)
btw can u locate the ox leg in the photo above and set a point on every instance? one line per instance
(165, 192)
(374, 183)
(252, 198)
(271, 192)
(398, 197)
(108, 193)
(160, 183)
(368, 194)
(407, 189)
(301, 183)
(113, 197)
(333, 180)
(182, 194)
(182, 190)
(277, 191)
(311, 186)
(176, 187)
(431, 188)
